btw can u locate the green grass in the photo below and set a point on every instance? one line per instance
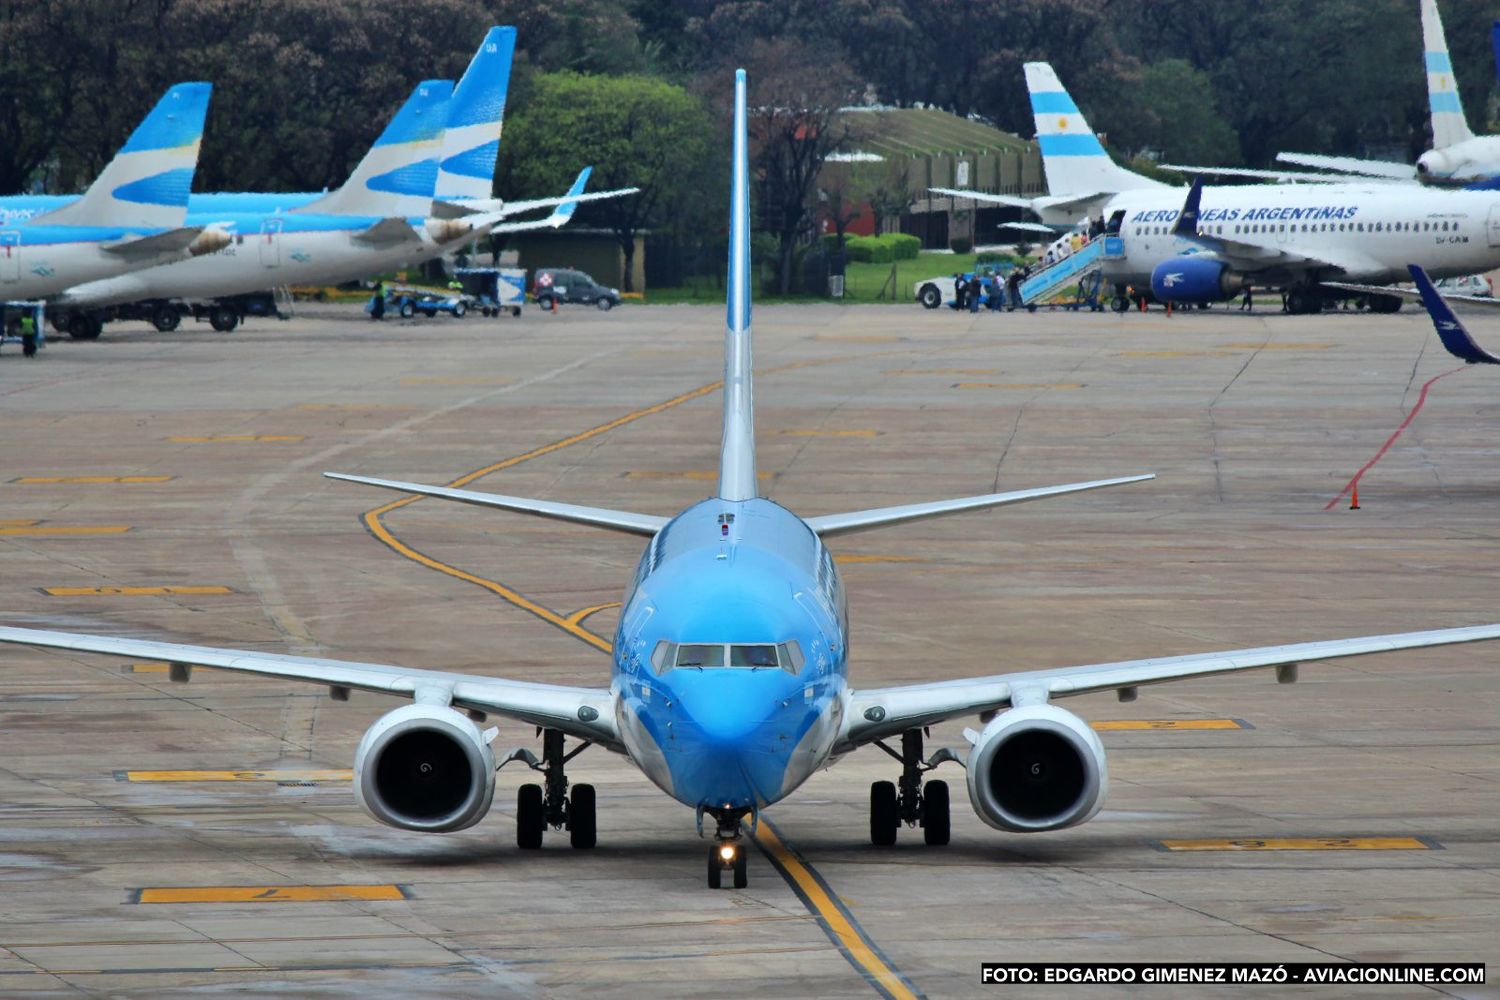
(862, 282)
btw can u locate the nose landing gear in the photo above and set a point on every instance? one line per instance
(541, 806)
(911, 803)
(728, 854)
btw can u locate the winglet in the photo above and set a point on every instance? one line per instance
(1450, 331)
(737, 447)
(564, 212)
(1187, 219)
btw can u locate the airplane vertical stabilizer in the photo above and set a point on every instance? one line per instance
(1449, 126)
(475, 115)
(397, 176)
(146, 185)
(1072, 156)
(737, 449)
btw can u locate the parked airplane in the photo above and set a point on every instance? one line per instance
(1291, 236)
(1457, 155)
(381, 218)
(730, 684)
(131, 216)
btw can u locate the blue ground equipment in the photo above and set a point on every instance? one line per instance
(494, 289)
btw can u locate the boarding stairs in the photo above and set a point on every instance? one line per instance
(1071, 270)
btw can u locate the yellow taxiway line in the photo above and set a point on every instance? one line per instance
(268, 893)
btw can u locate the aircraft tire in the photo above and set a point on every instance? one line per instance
(742, 869)
(531, 820)
(936, 828)
(1119, 304)
(82, 326)
(166, 318)
(582, 830)
(715, 869)
(885, 816)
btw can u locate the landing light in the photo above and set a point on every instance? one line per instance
(726, 853)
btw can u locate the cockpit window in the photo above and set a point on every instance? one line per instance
(697, 654)
(752, 656)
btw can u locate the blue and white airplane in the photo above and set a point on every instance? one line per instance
(1299, 237)
(384, 215)
(131, 217)
(730, 680)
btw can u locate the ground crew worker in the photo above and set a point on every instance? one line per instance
(28, 334)
(1248, 305)
(960, 292)
(377, 304)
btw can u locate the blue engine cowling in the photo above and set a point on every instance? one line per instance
(1194, 279)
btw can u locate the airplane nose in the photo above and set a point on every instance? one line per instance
(728, 708)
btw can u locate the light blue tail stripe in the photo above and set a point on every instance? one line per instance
(1053, 102)
(477, 162)
(1076, 144)
(1438, 62)
(413, 178)
(176, 121)
(480, 96)
(1446, 100)
(423, 117)
(170, 187)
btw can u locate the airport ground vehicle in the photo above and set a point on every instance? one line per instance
(563, 285)
(408, 300)
(494, 289)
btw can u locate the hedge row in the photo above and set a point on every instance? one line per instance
(878, 249)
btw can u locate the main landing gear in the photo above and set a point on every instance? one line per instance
(549, 804)
(728, 851)
(909, 801)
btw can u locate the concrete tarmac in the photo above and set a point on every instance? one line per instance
(166, 840)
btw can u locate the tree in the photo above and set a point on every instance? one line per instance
(635, 130)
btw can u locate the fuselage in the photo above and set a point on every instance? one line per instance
(731, 654)
(1367, 232)
(40, 260)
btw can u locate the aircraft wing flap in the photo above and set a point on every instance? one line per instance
(556, 706)
(880, 712)
(171, 241)
(387, 231)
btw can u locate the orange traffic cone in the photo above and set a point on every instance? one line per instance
(1354, 498)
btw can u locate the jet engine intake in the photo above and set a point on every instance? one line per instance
(1195, 279)
(1037, 768)
(425, 767)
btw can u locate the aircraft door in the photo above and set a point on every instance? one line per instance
(10, 257)
(1493, 226)
(270, 243)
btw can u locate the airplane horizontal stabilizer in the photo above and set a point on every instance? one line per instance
(1352, 165)
(171, 241)
(880, 517)
(985, 196)
(615, 520)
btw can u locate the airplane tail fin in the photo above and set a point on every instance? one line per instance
(397, 177)
(1072, 156)
(737, 447)
(1449, 126)
(147, 183)
(475, 116)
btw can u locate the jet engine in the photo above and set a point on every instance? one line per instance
(1434, 163)
(1195, 279)
(425, 767)
(211, 240)
(1037, 768)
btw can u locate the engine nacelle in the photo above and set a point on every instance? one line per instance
(1195, 279)
(425, 767)
(1037, 768)
(1434, 163)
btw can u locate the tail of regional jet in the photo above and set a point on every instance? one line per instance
(1449, 126)
(475, 116)
(146, 185)
(397, 176)
(1072, 156)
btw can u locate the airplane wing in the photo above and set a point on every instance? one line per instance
(1059, 202)
(388, 231)
(877, 713)
(617, 520)
(1456, 339)
(994, 199)
(863, 520)
(171, 241)
(586, 713)
(1270, 175)
(1351, 165)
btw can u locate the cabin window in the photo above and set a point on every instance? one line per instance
(1376, 227)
